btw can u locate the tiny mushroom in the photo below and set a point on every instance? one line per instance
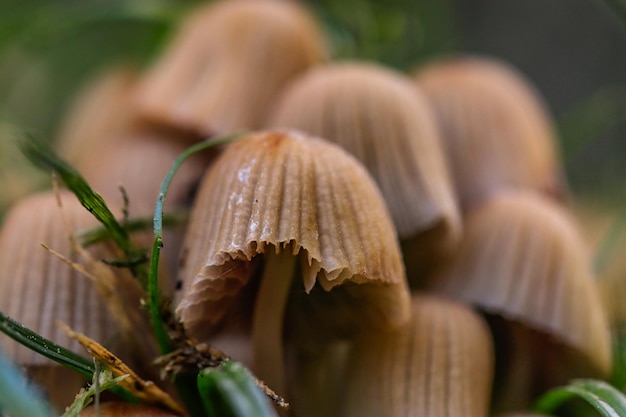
(439, 365)
(496, 130)
(138, 160)
(523, 262)
(274, 200)
(99, 113)
(37, 289)
(378, 116)
(228, 62)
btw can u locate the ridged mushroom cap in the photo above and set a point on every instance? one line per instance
(138, 160)
(522, 258)
(228, 61)
(276, 189)
(440, 364)
(495, 128)
(36, 288)
(377, 116)
(100, 113)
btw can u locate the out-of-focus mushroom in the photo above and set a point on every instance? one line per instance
(378, 116)
(138, 160)
(228, 62)
(272, 201)
(495, 128)
(440, 364)
(37, 289)
(119, 409)
(523, 260)
(100, 114)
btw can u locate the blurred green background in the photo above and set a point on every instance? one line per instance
(574, 51)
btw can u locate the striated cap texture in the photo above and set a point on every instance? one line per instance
(495, 128)
(378, 116)
(273, 190)
(439, 365)
(36, 288)
(228, 61)
(522, 258)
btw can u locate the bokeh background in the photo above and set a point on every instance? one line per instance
(574, 51)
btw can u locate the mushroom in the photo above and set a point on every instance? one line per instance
(495, 128)
(279, 204)
(378, 116)
(523, 262)
(100, 113)
(37, 289)
(138, 160)
(439, 365)
(227, 63)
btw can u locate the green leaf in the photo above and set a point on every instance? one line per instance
(45, 347)
(231, 391)
(604, 398)
(17, 397)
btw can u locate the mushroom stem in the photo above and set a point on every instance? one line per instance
(269, 312)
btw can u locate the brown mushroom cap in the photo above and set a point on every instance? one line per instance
(377, 116)
(522, 258)
(495, 128)
(227, 63)
(100, 113)
(440, 364)
(37, 289)
(273, 190)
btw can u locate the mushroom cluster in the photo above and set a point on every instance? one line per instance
(380, 245)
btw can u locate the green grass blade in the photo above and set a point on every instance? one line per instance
(106, 381)
(154, 296)
(45, 347)
(99, 234)
(604, 398)
(42, 155)
(17, 397)
(230, 391)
